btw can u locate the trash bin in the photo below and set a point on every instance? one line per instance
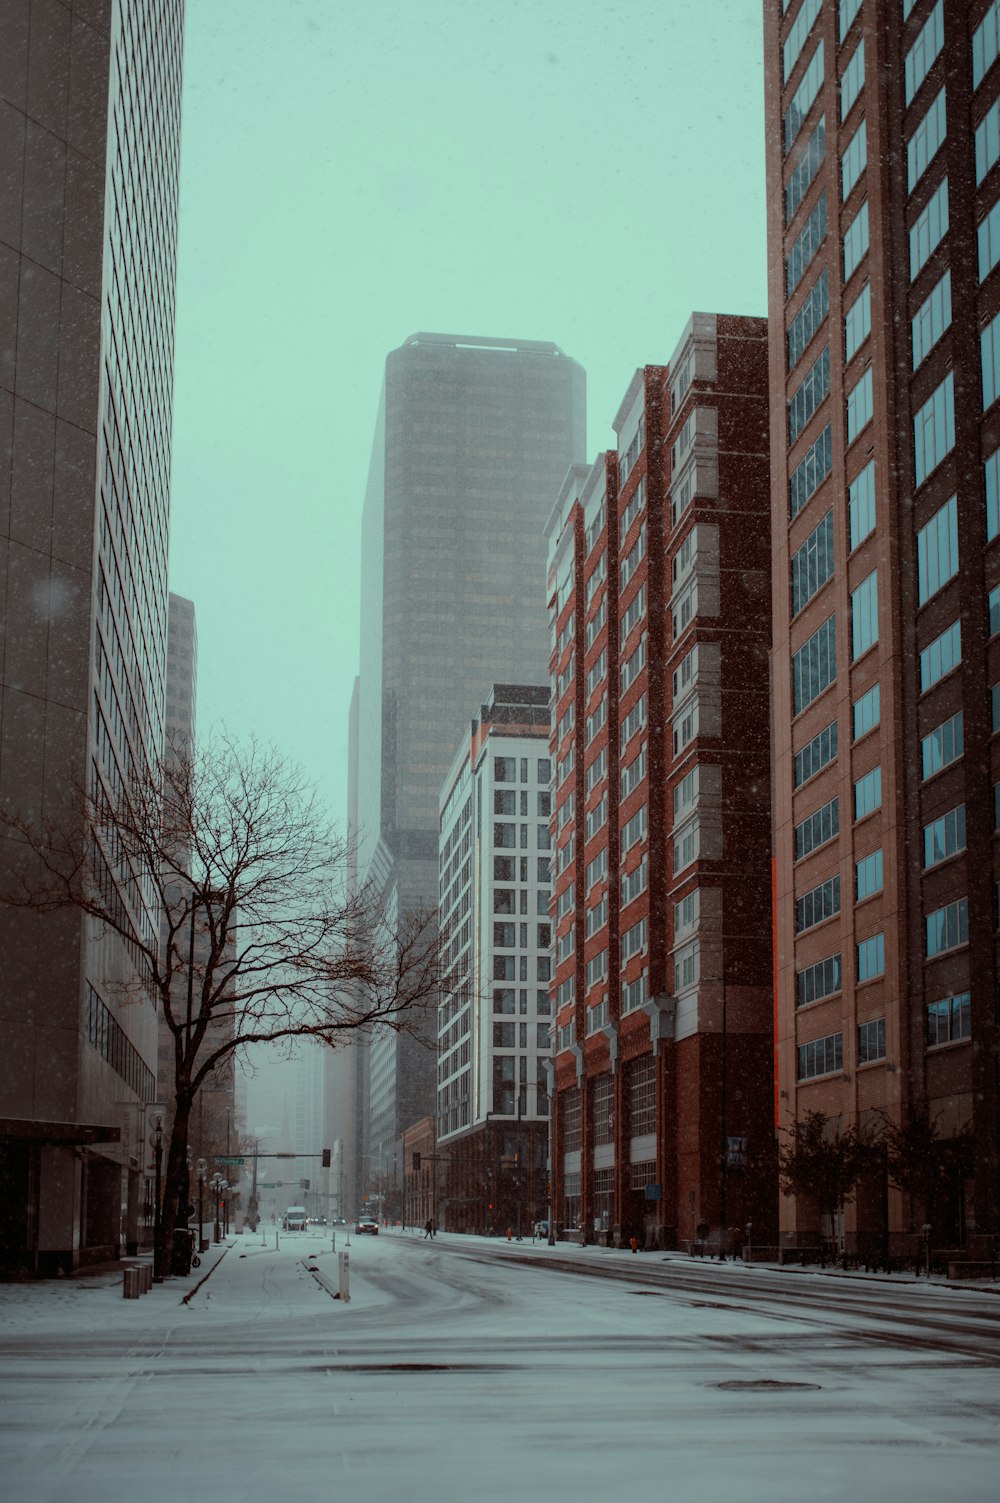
(180, 1263)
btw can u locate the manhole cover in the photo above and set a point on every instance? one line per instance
(765, 1385)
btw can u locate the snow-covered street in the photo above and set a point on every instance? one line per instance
(463, 1369)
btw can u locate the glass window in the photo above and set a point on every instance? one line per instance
(988, 141)
(812, 564)
(861, 504)
(805, 169)
(991, 478)
(856, 241)
(868, 793)
(937, 550)
(864, 615)
(858, 322)
(931, 319)
(810, 473)
(814, 666)
(944, 836)
(808, 395)
(854, 160)
(821, 1057)
(809, 240)
(871, 1041)
(929, 229)
(949, 1020)
(817, 905)
(804, 97)
(919, 59)
(924, 144)
(798, 34)
(993, 608)
(809, 317)
(934, 429)
(818, 981)
(867, 712)
(816, 754)
(868, 876)
(870, 958)
(859, 406)
(852, 79)
(985, 44)
(989, 349)
(819, 827)
(942, 746)
(941, 656)
(848, 10)
(948, 927)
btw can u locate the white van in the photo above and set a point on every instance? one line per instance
(294, 1219)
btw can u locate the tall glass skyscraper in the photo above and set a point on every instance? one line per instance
(89, 153)
(472, 443)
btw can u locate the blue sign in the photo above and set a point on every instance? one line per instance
(654, 1192)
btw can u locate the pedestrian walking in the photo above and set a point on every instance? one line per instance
(428, 1228)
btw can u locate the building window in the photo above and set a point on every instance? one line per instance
(634, 882)
(804, 172)
(871, 1041)
(818, 981)
(864, 615)
(991, 478)
(854, 160)
(934, 429)
(856, 242)
(941, 656)
(505, 836)
(947, 927)
(817, 905)
(929, 229)
(808, 396)
(871, 958)
(848, 10)
(937, 550)
(852, 80)
(993, 607)
(816, 754)
(944, 836)
(989, 348)
(810, 473)
(804, 97)
(812, 564)
(861, 504)
(858, 322)
(985, 44)
(867, 712)
(821, 1057)
(687, 912)
(808, 242)
(797, 36)
(868, 793)
(868, 876)
(919, 59)
(942, 746)
(634, 829)
(859, 406)
(642, 1096)
(809, 318)
(989, 242)
(988, 141)
(926, 140)
(931, 320)
(814, 666)
(687, 845)
(949, 1020)
(817, 828)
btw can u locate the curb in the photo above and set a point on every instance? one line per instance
(207, 1275)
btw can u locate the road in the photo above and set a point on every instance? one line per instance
(467, 1370)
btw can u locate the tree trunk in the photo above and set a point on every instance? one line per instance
(175, 1185)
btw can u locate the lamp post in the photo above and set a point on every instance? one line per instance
(201, 1167)
(224, 1191)
(723, 1130)
(156, 1140)
(215, 1184)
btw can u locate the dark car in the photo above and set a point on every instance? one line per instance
(368, 1224)
(338, 1221)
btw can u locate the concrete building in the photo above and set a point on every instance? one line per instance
(658, 600)
(494, 1045)
(883, 217)
(472, 440)
(87, 259)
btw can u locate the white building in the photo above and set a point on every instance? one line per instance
(494, 1015)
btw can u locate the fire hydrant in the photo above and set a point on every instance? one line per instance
(633, 1243)
(510, 1233)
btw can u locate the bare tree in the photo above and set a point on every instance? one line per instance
(261, 937)
(923, 1163)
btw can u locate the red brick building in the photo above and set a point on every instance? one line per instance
(659, 605)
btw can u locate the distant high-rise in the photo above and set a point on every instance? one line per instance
(473, 439)
(89, 149)
(883, 139)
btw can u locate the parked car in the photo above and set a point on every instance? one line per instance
(367, 1224)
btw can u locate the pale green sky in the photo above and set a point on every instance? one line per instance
(356, 170)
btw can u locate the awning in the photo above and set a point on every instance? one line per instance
(31, 1130)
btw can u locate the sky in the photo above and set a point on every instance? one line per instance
(355, 171)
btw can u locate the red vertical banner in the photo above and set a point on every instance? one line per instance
(774, 981)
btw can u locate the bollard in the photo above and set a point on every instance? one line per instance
(344, 1260)
(130, 1284)
(334, 1247)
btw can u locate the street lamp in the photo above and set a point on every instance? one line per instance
(201, 1167)
(215, 1185)
(723, 1129)
(156, 1140)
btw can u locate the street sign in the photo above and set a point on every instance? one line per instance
(269, 1186)
(653, 1192)
(228, 1158)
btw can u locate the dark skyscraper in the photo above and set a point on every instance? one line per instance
(473, 440)
(89, 148)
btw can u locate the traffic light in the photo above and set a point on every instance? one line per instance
(326, 1158)
(416, 1163)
